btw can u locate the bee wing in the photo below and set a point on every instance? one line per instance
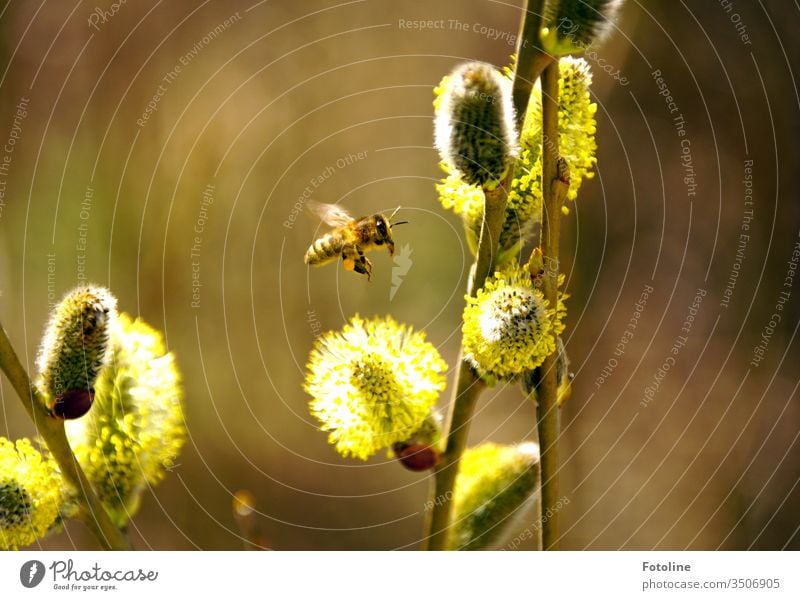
(332, 214)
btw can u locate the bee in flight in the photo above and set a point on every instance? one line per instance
(350, 238)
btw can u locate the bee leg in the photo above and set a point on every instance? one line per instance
(353, 259)
(364, 266)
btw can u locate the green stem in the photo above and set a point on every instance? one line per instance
(494, 215)
(53, 433)
(554, 190)
(469, 386)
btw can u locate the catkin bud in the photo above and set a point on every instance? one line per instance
(475, 124)
(494, 484)
(574, 25)
(74, 349)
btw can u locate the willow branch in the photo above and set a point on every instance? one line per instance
(531, 61)
(469, 386)
(554, 189)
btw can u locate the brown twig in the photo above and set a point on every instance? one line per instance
(554, 189)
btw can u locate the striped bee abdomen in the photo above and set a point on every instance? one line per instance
(325, 249)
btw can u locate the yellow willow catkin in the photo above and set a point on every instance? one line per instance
(494, 482)
(30, 494)
(508, 327)
(373, 384)
(136, 429)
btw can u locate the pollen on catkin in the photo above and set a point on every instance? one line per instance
(508, 326)
(574, 25)
(30, 494)
(74, 348)
(493, 482)
(468, 201)
(372, 384)
(474, 127)
(576, 124)
(137, 428)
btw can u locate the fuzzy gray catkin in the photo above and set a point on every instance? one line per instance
(475, 124)
(574, 25)
(74, 348)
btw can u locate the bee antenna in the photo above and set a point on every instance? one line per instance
(399, 223)
(394, 213)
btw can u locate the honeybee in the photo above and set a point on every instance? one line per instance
(350, 238)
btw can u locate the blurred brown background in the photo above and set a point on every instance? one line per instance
(276, 97)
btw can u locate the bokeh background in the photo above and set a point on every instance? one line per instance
(280, 101)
